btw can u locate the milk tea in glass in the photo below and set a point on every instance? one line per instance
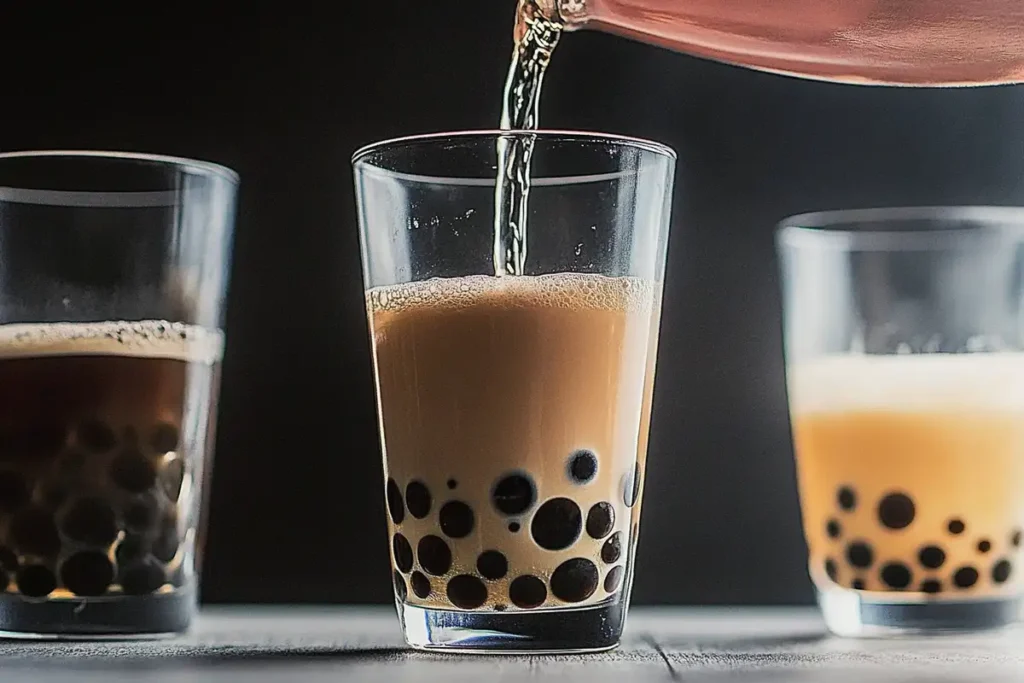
(905, 373)
(514, 403)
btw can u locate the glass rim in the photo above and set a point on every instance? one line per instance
(206, 168)
(552, 134)
(836, 228)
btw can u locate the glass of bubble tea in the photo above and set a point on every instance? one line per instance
(514, 409)
(112, 278)
(904, 331)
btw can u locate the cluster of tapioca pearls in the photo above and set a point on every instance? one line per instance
(895, 511)
(96, 515)
(556, 525)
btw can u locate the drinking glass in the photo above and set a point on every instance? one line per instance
(514, 410)
(904, 338)
(113, 270)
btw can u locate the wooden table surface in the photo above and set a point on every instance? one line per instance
(301, 644)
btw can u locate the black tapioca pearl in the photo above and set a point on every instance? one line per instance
(574, 580)
(141, 514)
(831, 569)
(833, 529)
(631, 486)
(434, 555)
(130, 549)
(965, 577)
(527, 592)
(931, 586)
(417, 499)
(858, 584)
(600, 520)
(14, 491)
(611, 551)
(514, 527)
(96, 436)
(931, 556)
(90, 520)
(859, 554)
(557, 524)
(132, 471)
(1015, 538)
(164, 438)
(847, 498)
(613, 579)
(143, 578)
(896, 511)
(456, 519)
(395, 505)
(896, 575)
(492, 565)
(956, 526)
(87, 574)
(8, 560)
(403, 553)
(420, 585)
(35, 581)
(172, 476)
(401, 590)
(452, 484)
(42, 440)
(467, 592)
(34, 532)
(582, 467)
(514, 494)
(165, 547)
(500, 608)
(984, 546)
(1001, 571)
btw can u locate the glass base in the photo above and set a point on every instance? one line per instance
(120, 617)
(863, 614)
(596, 628)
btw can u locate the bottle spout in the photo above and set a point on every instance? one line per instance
(569, 14)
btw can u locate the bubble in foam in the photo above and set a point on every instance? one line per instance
(146, 339)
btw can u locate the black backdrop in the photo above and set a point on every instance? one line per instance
(284, 93)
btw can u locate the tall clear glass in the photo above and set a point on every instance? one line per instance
(113, 270)
(904, 335)
(514, 410)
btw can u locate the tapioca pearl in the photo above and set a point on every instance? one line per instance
(401, 590)
(846, 497)
(8, 560)
(514, 494)
(557, 524)
(896, 511)
(466, 592)
(396, 507)
(143, 578)
(35, 581)
(574, 580)
(132, 471)
(420, 585)
(33, 532)
(14, 492)
(41, 440)
(456, 519)
(860, 554)
(858, 584)
(613, 579)
(831, 569)
(631, 486)
(527, 592)
(600, 520)
(130, 549)
(500, 608)
(1015, 538)
(833, 529)
(956, 526)
(96, 436)
(90, 520)
(164, 438)
(492, 565)
(931, 586)
(172, 476)
(896, 575)
(965, 577)
(1001, 571)
(165, 547)
(417, 499)
(87, 574)
(403, 553)
(984, 546)
(453, 484)
(582, 467)
(514, 527)
(931, 556)
(611, 551)
(434, 555)
(140, 514)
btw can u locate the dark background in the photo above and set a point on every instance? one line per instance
(284, 93)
